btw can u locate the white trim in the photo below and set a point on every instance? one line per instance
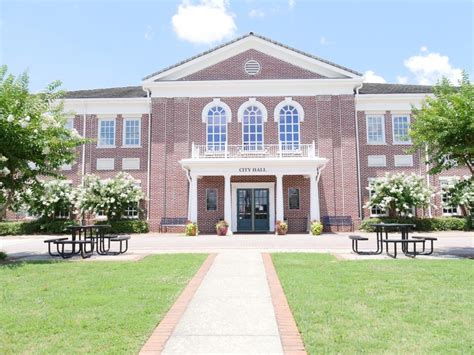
(367, 130)
(259, 44)
(394, 142)
(216, 102)
(376, 161)
(448, 179)
(102, 107)
(254, 185)
(105, 164)
(370, 180)
(99, 122)
(403, 160)
(389, 102)
(291, 102)
(130, 163)
(139, 145)
(252, 101)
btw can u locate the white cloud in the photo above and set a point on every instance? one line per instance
(429, 67)
(402, 79)
(254, 13)
(323, 41)
(291, 4)
(208, 22)
(149, 32)
(371, 77)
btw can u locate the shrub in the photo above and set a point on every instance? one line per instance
(3, 256)
(422, 224)
(281, 227)
(127, 226)
(222, 227)
(41, 226)
(191, 229)
(316, 228)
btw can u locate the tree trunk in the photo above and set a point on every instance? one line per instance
(6, 205)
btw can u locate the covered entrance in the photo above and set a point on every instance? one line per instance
(253, 210)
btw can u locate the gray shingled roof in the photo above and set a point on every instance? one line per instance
(372, 88)
(258, 36)
(120, 92)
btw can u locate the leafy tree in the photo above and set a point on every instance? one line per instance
(461, 194)
(33, 139)
(399, 193)
(444, 126)
(112, 196)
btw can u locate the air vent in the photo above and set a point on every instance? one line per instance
(252, 67)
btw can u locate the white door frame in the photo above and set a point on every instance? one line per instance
(254, 185)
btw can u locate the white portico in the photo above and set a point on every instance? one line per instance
(271, 160)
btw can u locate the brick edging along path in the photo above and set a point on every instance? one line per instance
(156, 343)
(290, 336)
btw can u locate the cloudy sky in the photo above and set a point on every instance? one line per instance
(92, 44)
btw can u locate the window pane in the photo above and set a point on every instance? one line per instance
(294, 198)
(289, 128)
(375, 129)
(211, 199)
(107, 132)
(216, 129)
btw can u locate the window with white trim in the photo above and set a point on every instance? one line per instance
(131, 132)
(106, 132)
(400, 125)
(63, 213)
(289, 128)
(375, 211)
(216, 128)
(375, 129)
(448, 210)
(252, 128)
(131, 211)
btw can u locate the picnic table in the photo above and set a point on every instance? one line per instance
(381, 228)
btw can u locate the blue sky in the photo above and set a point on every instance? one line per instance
(92, 44)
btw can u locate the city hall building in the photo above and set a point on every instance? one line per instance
(252, 132)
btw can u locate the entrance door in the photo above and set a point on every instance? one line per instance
(253, 210)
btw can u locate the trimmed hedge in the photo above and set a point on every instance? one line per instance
(423, 224)
(35, 227)
(127, 226)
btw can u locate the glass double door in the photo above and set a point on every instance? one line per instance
(253, 210)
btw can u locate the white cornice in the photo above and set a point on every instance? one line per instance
(389, 102)
(109, 106)
(246, 88)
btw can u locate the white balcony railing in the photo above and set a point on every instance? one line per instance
(253, 151)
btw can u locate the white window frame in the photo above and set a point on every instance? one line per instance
(99, 143)
(124, 132)
(397, 142)
(131, 211)
(293, 145)
(240, 116)
(369, 116)
(442, 181)
(372, 209)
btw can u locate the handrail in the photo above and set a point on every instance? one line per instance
(281, 150)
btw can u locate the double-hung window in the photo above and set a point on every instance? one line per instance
(131, 132)
(252, 125)
(400, 125)
(289, 128)
(106, 132)
(216, 128)
(375, 211)
(445, 184)
(375, 129)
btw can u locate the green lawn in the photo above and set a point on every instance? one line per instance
(88, 307)
(380, 306)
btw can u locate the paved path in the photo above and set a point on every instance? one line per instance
(231, 312)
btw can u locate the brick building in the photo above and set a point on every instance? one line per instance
(251, 131)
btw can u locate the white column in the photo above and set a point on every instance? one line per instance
(228, 203)
(192, 199)
(314, 198)
(279, 198)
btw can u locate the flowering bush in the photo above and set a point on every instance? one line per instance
(461, 194)
(222, 227)
(281, 227)
(111, 196)
(191, 229)
(399, 193)
(316, 228)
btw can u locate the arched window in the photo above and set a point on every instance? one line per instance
(252, 127)
(216, 114)
(289, 114)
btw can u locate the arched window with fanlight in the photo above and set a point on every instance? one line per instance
(289, 114)
(216, 115)
(253, 116)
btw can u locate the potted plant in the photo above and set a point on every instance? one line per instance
(316, 228)
(281, 227)
(222, 227)
(191, 229)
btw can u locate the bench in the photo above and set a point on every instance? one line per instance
(395, 243)
(355, 243)
(121, 239)
(172, 222)
(430, 239)
(82, 247)
(338, 221)
(49, 241)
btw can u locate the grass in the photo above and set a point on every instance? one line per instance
(380, 306)
(88, 307)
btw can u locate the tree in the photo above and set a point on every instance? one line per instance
(111, 196)
(34, 141)
(444, 126)
(399, 193)
(461, 194)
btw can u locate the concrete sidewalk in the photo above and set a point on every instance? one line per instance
(231, 312)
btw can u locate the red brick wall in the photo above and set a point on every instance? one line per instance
(270, 68)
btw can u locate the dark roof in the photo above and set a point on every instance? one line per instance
(121, 92)
(372, 88)
(258, 36)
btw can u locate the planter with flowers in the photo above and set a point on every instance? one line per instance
(191, 229)
(316, 228)
(281, 227)
(222, 227)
